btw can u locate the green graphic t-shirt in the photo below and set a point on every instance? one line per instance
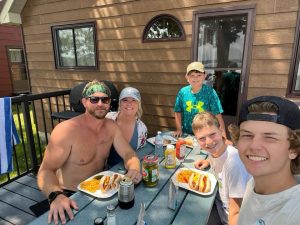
(189, 104)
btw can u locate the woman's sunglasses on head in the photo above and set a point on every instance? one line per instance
(95, 99)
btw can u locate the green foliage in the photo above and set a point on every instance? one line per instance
(22, 152)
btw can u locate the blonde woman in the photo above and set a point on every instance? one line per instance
(128, 118)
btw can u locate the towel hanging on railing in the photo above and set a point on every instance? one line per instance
(8, 135)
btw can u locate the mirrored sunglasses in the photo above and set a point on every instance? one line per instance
(95, 99)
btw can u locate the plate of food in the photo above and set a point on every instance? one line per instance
(101, 185)
(198, 181)
(167, 140)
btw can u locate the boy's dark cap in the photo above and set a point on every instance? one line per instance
(288, 113)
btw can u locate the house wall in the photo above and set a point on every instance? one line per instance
(156, 69)
(9, 36)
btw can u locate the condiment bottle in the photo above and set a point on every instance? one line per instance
(159, 144)
(172, 196)
(99, 221)
(170, 157)
(111, 215)
(150, 170)
(180, 150)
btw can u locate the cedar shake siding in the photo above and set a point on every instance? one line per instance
(157, 69)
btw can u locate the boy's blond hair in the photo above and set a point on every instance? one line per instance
(204, 119)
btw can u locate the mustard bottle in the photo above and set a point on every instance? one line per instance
(170, 157)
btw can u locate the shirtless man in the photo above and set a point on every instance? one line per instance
(78, 148)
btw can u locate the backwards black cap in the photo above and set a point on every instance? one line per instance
(288, 113)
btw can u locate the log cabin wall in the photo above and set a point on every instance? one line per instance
(157, 69)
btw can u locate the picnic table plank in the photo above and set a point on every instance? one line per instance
(95, 208)
(82, 201)
(195, 210)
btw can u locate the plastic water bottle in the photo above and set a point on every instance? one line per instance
(111, 215)
(159, 144)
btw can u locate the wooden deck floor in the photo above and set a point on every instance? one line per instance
(15, 200)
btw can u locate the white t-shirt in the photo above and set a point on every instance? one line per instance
(232, 176)
(282, 208)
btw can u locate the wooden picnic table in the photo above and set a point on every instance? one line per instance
(192, 208)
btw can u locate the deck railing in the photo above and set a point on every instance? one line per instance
(32, 116)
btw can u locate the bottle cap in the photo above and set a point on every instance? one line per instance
(99, 221)
(170, 147)
(151, 158)
(110, 208)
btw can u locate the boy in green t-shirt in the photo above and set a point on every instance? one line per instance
(194, 98)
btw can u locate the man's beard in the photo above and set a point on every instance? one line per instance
(98, 114)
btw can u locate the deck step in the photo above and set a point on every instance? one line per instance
(3, 222)
(24, 190)
(14, 215)
(29, 180)
(16, 199)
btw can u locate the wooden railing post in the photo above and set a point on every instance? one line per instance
(29, 133)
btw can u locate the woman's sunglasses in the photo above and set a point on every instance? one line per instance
(95, 99)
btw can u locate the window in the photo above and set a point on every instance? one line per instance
(221, 40)
(163, 28)
(294, 76)
(74, 46)
(16, 55)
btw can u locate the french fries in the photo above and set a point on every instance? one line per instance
(184, 175)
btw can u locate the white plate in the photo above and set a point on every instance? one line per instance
(186, 186)
(99, 193)
(166, 137)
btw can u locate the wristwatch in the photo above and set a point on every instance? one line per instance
(52, 196)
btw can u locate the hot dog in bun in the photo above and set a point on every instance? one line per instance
(204, 184)
(110, 182)
(105, 183)
(199, 182)
(194, 180)
(116, 178)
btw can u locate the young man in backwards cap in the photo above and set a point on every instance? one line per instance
(78, 148)
(268, 140)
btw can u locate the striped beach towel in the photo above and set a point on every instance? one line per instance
(8, 135)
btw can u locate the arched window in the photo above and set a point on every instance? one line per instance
(163, 27)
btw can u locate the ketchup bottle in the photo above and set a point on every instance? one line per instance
(180, 150)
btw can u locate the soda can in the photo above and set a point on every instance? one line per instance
(126, 193)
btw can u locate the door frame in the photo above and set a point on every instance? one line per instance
(250, 10)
